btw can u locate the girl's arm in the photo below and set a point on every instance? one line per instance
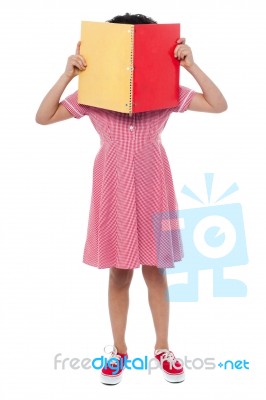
(211, 99)
(50, 111)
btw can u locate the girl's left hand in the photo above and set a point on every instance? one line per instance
(183, 53)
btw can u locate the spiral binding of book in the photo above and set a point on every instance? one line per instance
(131, 69)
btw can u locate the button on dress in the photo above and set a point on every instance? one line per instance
(133, 216)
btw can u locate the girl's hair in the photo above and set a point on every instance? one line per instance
(132, 19)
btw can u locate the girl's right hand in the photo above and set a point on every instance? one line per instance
(75, 63)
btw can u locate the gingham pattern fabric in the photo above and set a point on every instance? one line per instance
(133, 217)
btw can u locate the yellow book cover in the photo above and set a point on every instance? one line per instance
(107, 80)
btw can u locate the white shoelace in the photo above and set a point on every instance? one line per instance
(113, 354)
(167, 356)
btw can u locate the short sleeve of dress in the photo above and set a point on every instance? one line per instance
(72, 105)
(185, 97)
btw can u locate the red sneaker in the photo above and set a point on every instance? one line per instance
(112, 372)
(171, 367)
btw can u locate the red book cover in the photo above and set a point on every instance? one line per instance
(156, 70)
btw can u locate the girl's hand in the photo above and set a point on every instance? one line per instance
(75, 63)
(183, 53)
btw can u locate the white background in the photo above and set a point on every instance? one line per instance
(53, 303)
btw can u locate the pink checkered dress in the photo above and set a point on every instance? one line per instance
(133, 218)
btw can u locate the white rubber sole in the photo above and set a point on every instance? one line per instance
(174, 378)
(111, 380)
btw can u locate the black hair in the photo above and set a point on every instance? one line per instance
(132, 19)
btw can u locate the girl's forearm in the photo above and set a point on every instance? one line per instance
(50, 103)
(210, 91)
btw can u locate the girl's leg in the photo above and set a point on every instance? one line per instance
(118, 301)
(156, 281)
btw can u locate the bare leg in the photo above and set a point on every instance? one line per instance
(118, 301)
(156, 281)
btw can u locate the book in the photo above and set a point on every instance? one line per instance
(130, 68)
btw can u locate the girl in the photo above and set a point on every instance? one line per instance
(132, 188)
